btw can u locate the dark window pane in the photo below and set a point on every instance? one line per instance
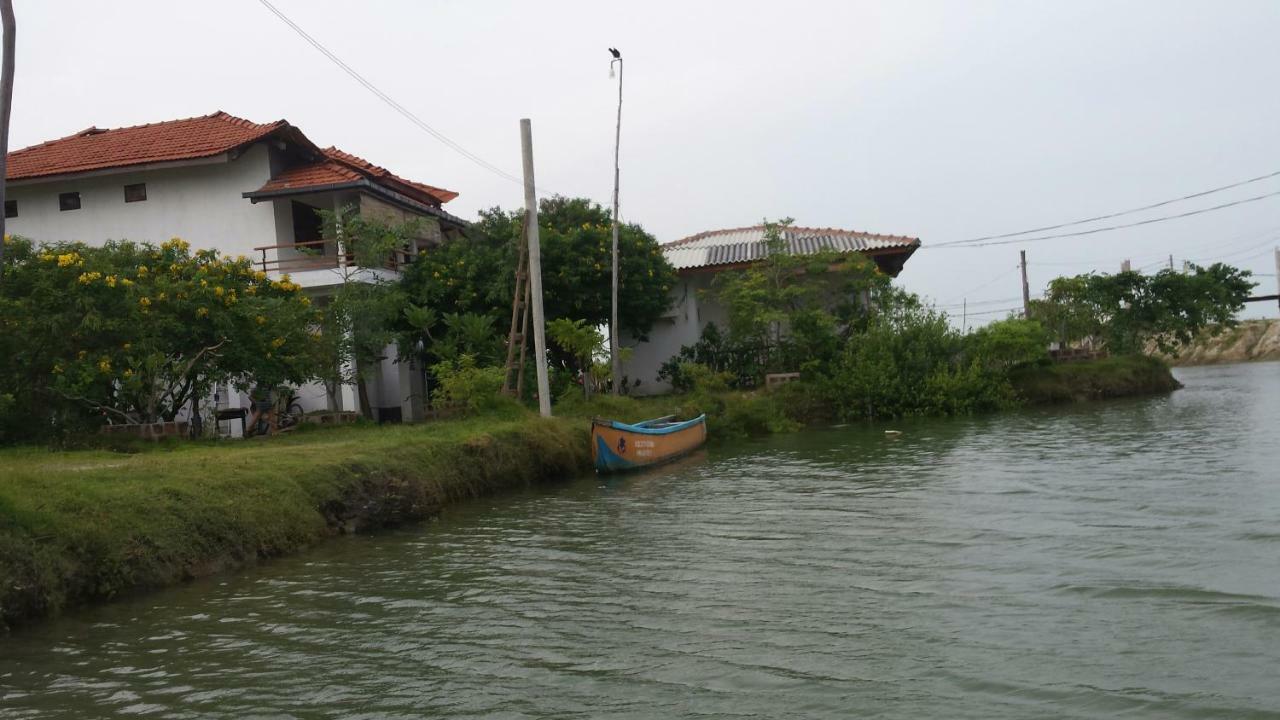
(135, 193)
(69, 201)
(10, 208)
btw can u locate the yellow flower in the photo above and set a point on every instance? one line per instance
(111, 281)
(259, 275)
(48, 256)
(204, 283)
(126, 346)
(128, 373)
(86, 278)
(126, 282)
(69, 259)
(305, 300)
(81, 355)
(142, 271)
(261, 320)
(104, 365)
(202, 312)
(145, 302)
(219, 291)
(251, 290)
(161, 296)
(176, 244)
(277, 343)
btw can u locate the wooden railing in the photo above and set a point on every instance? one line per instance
(318, 255)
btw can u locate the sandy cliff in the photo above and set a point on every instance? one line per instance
(1251, 340)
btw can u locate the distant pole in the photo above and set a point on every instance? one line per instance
(615, 354)
(1278, 274)
(535, 269)
(1170, 261)
(964, 315)
(1124, 265)
(6, 102)
(1026, 289)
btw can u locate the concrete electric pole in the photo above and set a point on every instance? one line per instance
(535, 269)
(6, 101)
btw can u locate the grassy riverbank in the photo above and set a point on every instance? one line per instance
(87, 525)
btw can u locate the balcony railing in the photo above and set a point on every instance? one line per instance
(318, 255)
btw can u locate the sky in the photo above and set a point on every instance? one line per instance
(938, 120)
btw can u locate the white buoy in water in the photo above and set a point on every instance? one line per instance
(892, 433)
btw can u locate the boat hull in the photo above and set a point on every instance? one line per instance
(617, 446)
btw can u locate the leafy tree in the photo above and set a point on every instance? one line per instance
(581, 342)
(476, 274)
(134, 332)
(1127, 310)
(363, 317)
(793, 312)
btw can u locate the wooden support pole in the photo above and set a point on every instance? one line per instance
(535, 269)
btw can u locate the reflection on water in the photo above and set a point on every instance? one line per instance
(1117, 558)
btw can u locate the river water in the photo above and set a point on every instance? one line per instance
(1118, 558)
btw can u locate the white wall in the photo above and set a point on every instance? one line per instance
(692, 307)
(199, 203)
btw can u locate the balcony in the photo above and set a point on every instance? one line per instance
(319, 255)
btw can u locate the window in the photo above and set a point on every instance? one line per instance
(10, 208)
(69, 201)
(135, 193)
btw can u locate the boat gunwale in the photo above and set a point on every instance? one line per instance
(640, 429)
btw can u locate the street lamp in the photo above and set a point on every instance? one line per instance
(614, 351)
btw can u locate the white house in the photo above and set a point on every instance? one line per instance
(240, 187)
(699, 257)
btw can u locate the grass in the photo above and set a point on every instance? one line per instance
(85, 525)
(1113, 377)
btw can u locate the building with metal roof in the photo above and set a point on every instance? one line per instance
(698, 258)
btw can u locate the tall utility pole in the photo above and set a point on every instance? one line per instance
(1278, 273)
(1026, 289)
(6, 101)
(1125, 265)
(1170, 261)
(535, 268)
(615, 354)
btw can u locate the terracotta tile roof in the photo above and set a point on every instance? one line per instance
(380, 173)
(736, 246)
(310, 176)
(98, 149)
(342, 167)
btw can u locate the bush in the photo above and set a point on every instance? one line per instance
(461, 384)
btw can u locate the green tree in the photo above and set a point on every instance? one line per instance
(476, 274)
(365, 314)
(131, 332)
(1128, 310)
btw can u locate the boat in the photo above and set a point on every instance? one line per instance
(619, 446)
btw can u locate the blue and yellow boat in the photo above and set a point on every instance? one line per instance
(620, 446)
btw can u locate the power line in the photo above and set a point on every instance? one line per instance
(1108, 216)
(1165, 218)
(408, 114)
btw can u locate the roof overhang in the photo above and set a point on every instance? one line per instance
(361, 185)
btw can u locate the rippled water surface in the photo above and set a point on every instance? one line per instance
(1118, 559)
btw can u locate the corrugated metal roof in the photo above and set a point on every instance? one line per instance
(741, 245)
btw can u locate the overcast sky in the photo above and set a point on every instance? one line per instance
(940, 120)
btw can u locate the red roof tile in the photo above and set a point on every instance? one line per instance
(97, 149)
(381, 173)
(310, 176)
